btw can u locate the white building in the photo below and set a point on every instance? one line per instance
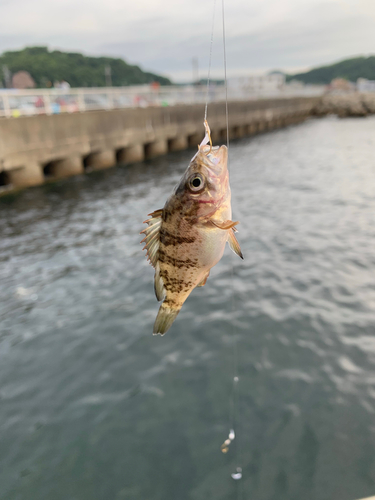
(258, 83)
(364, 85)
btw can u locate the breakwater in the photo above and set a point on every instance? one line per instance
(346, 104)
(36, 149)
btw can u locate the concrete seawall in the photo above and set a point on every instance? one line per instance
(39, 148)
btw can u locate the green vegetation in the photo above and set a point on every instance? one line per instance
(78, 70)
(350, 69)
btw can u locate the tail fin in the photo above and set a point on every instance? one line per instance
(164, 319)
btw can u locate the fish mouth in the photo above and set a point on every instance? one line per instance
(215, 159)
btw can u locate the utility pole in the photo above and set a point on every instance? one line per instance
(195, 65)
(7, 77)
(108, 75)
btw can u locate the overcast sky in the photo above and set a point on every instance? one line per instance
(164, 36)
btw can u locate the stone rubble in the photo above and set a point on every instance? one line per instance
(346, 104)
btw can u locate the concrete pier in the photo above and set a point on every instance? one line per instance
(59, 169)
(42, 147)
(251, 129)
(131, 154)
(195, 139)
(100, 160)
(215, 136)
(26, 177)
(178, 143)
(156, 148)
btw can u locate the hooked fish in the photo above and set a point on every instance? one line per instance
(186, 238)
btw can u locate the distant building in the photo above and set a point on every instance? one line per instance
(342, 85)
(296, 84)
(258, 83)
(364, 85)
(22, 80)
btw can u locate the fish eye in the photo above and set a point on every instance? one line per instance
(196, 182)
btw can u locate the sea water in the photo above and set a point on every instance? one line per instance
(94, 407)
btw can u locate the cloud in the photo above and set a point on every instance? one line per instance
(164, 36)
(323, 33)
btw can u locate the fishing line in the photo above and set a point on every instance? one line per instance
(234, 410)
(234, 414)
(209, 61)
(225, 73)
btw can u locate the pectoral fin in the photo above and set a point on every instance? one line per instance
(227, 224)
(151, 238)
(233, 243)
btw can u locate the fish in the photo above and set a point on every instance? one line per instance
(186, 238)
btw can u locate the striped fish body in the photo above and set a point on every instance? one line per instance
(187, 237)
(188, 249)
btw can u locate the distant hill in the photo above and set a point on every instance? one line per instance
(350, 69)
(78, 70)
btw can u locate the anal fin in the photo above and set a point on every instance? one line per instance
(159, 284)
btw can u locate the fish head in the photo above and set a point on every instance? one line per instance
(205, 184)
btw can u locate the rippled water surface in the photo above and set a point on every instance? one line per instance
(93, 407)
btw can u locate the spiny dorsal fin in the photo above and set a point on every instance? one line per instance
(151, 238)
(233, 243)
(227, 224)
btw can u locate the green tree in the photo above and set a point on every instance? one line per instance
(350, 69)
(79, 70)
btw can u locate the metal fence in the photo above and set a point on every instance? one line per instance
(15, 103)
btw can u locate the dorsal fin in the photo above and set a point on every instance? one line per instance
(151, 238)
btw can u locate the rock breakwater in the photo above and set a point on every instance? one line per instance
(344, 105)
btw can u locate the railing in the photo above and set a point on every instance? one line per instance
(15, 103)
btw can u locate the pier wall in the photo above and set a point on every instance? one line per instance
(39, 148)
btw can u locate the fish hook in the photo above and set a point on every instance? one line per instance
(208, 132)
(207, 137)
